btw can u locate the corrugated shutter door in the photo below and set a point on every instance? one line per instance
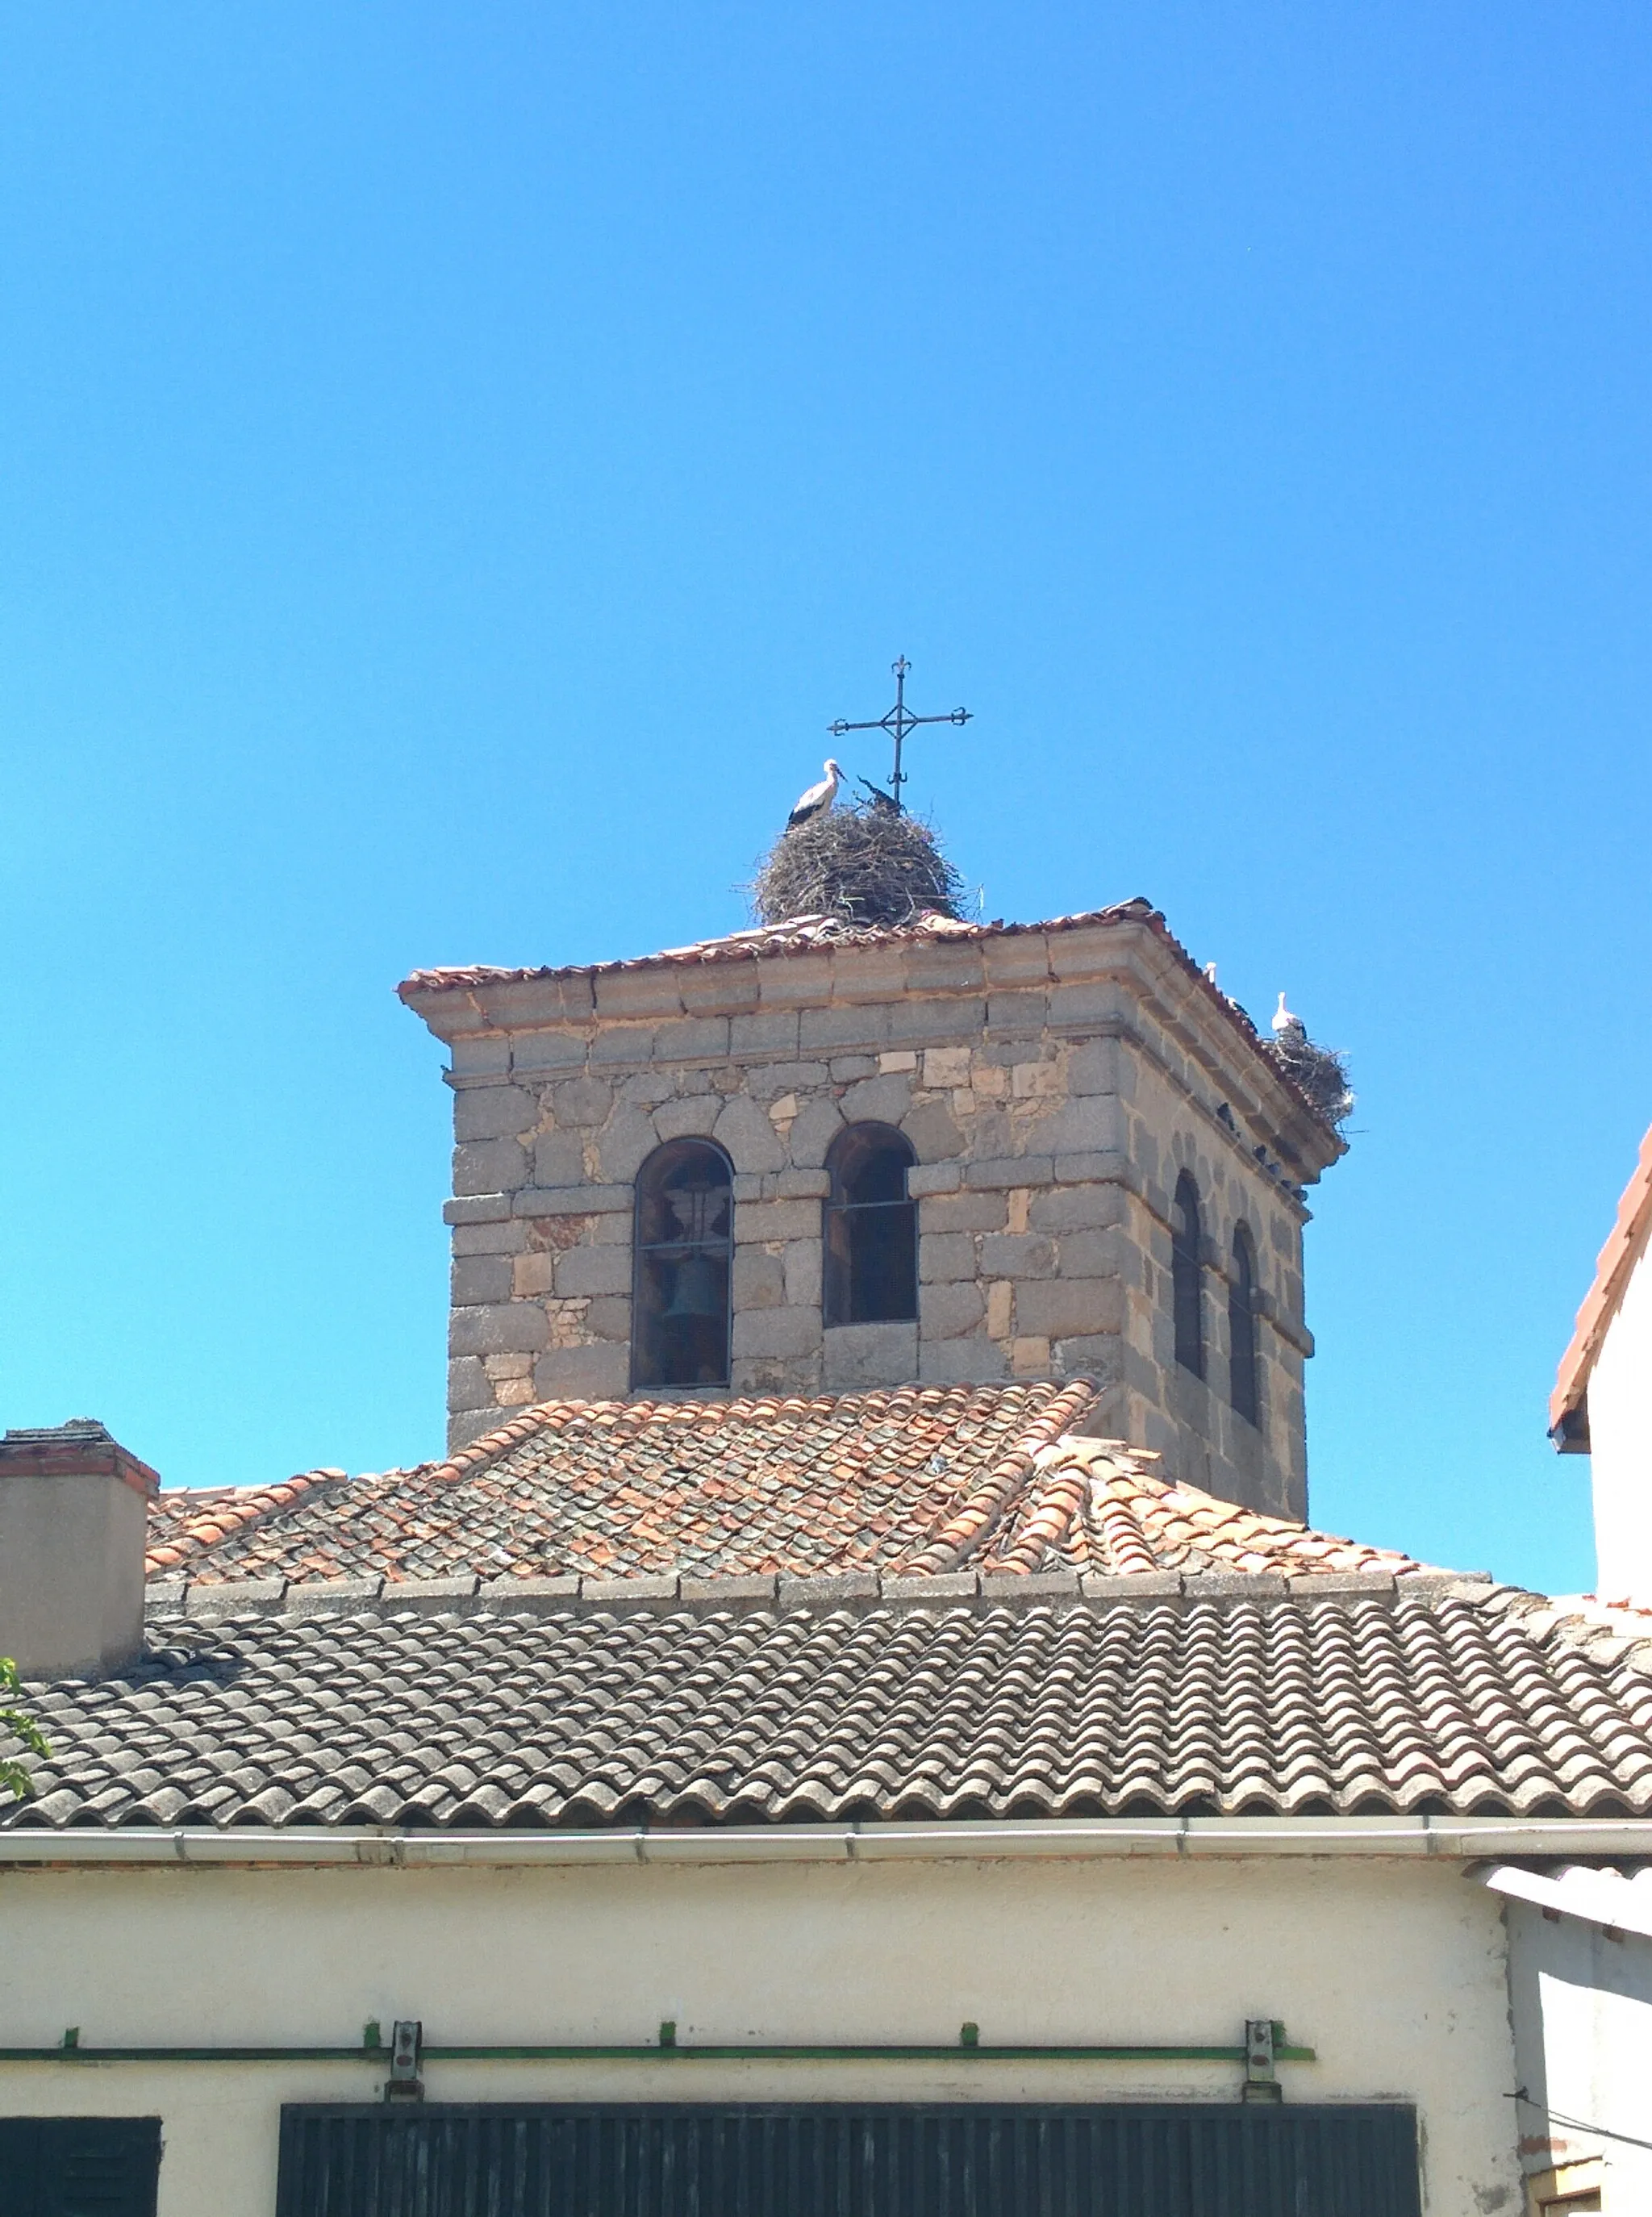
(704, 2160)
(79, 2166)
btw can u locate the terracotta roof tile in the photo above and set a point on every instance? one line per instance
(798, 934)
(921, 1479)
(186, 1521)
(1612, 1270)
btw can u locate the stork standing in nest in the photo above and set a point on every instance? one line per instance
(818, 798)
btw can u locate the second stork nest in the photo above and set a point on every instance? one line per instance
(1321, 1071)
(866, 865)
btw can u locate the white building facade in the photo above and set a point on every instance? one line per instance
(1579, 1949)
(1388, 1966)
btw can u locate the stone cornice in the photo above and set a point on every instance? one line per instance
(1084, 978)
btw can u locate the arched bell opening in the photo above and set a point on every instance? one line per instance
(683, 1252)
(1245, 1390)
(1187, 1308)
(870, 1228)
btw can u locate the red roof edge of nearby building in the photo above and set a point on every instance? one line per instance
(1612, 1270)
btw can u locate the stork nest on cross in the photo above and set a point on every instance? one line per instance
(866, 864)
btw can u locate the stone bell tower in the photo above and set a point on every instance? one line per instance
(812, 1158)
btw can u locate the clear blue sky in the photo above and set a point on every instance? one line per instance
(455, 461)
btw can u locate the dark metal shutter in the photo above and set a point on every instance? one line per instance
(1110, 2159)
(79, 2166)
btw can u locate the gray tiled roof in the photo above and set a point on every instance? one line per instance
(845, 1699)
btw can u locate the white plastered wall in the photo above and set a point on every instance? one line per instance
(1620, 1443)
(1395, 1972)
(1582, 2005)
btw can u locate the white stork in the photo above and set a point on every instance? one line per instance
(818, 798)
(1286, 1026)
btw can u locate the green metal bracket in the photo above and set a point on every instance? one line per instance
(373, 2050)
(651, 2053)
(1263, 2036)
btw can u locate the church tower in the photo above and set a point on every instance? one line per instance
(813, 1158)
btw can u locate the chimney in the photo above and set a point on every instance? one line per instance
(73, 1508)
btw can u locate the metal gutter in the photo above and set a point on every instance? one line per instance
(1450, 1838)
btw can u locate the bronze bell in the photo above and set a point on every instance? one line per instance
(698, 1291)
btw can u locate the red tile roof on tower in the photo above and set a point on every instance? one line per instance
(918, 1481)
(798, 934)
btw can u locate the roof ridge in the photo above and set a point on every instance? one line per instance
(984, 1507)
(1117, 1470)
(523, 1426)
(675, 1592)
(1052, 1506)
(792, 935)
(1124, 1546)
(249, 1506)
(1578, 1622)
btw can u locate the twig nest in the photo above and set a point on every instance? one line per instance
(1321, 1071)
(866, 865)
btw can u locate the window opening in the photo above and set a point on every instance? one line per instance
(1242, 1330)
(1184, 1238)
(903, 2159)
(681, 1270)
(72, 2166)
(871, 1229)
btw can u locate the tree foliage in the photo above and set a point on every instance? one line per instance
(20, 1726)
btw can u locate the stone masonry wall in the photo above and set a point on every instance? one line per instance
(1050, 1119)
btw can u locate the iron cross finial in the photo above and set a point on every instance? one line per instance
(898, 723)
